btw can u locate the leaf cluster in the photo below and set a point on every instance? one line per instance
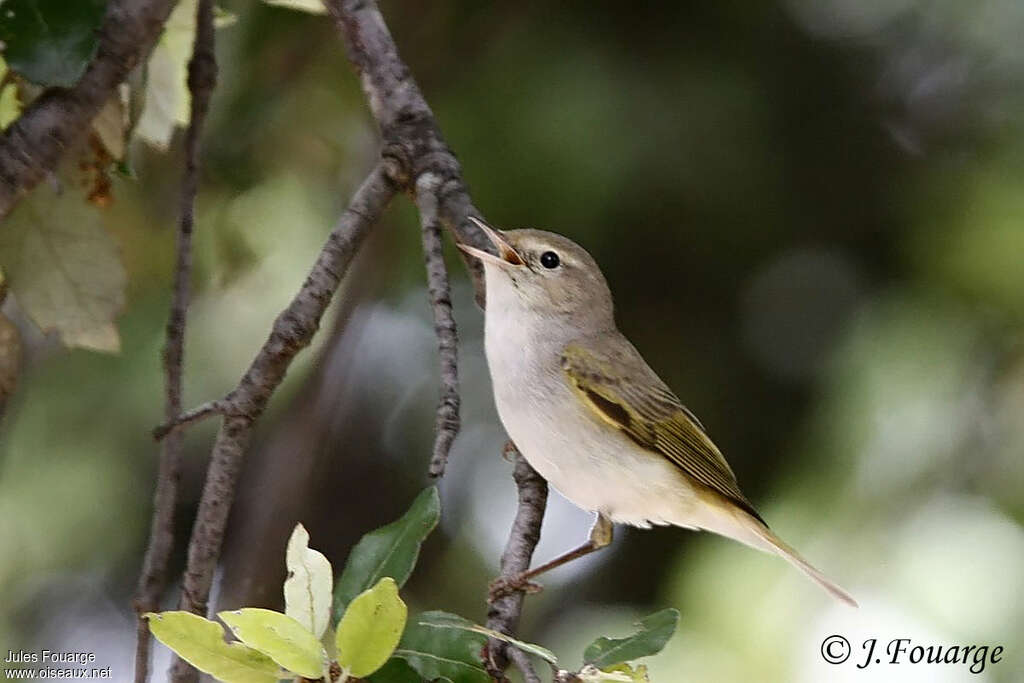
(372, 638)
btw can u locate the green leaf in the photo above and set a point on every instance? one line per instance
(620, 673)
(311, 6)
(279, 637)
(395, 671)
(654, 631)
(307, 590)
(200, 642)
(443, 653)
(445, 620)
(50, 42)
(64, 268)
(371, 629)
(388, 551)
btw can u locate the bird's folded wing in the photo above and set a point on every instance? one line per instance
(619, 386)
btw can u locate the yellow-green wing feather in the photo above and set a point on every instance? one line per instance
(623, 391)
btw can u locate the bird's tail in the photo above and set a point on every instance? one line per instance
(737, 524)
(779, 547)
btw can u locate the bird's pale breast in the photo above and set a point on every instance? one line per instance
(591, 463)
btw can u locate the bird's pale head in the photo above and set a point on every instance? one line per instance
(544, 274)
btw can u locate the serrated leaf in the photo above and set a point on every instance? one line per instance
(620, 673)
(200, 642)
(50, 42)
(443, 653)
(371, 629)
(307, 590)
(652, 634)
(64, 268)
(446, 620)
(388, 551)
(311, 6)
(166, 104)
(279, 637)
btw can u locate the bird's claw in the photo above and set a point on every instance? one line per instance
(505, 586)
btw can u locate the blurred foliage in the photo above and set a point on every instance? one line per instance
(809, 212)
(50, 42)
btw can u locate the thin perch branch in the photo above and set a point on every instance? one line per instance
(503, 614)
(523, 663)
(202, 78)
(31, 146)
(221, 406)
(414, 142)
(447, 426)
(293, 331)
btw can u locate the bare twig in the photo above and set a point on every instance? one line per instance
(410, 132)
(32, 145)
(202, 78)
(221, 406)
(447, 427)
(523, 663)
(293, 330)
(503, 614)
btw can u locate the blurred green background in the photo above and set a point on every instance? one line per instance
(811, 214)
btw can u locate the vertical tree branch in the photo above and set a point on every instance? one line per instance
(202, 78)
(503, 614)
(410, 133)
(447, 427)
(413, 140)
(293, 331)
(32, 145)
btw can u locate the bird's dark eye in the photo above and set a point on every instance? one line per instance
(549, 259)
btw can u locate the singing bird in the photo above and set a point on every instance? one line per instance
(589, 414)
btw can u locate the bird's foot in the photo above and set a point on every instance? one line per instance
(505, 586)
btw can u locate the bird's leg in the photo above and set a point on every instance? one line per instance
(600, 536)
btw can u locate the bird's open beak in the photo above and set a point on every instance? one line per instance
(507, 255)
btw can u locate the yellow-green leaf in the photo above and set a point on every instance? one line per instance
(64, 268)
(311, 6)
(10, 107)
(370, 629)
(200, 642)
(620, 673)
(111, 124)
(167, 99)
(307, 590)
(279, 637)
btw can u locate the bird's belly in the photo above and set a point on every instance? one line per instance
(593, 464)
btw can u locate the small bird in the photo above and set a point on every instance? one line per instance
(589, 414)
